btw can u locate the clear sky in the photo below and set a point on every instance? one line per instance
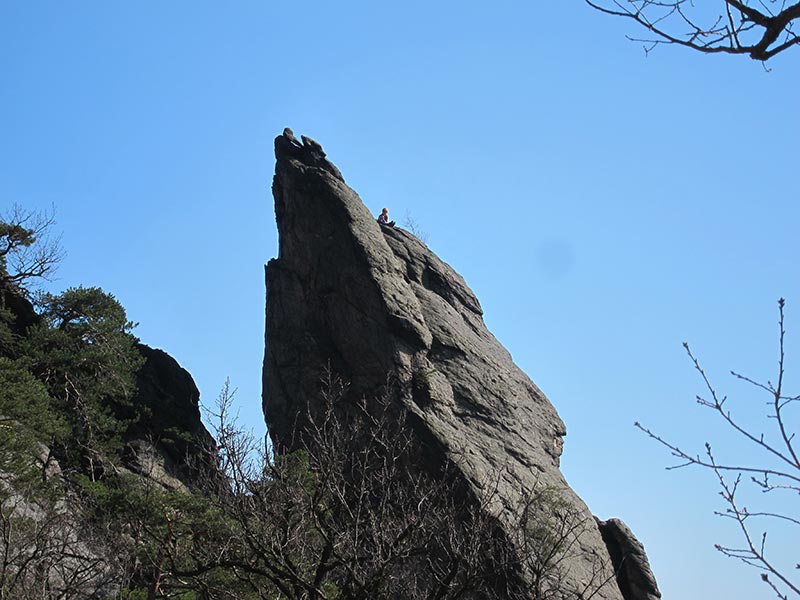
(603, 205)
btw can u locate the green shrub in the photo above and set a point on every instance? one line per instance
(85, 355)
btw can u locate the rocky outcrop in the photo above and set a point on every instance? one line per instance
(165, 439)
(635, 579)
(370, 300)
(168, 441)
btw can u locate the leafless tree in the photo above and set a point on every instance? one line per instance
(412, 224)
(47, 554)
(349, 514)
(28, 250)
(773, 471)
(547, 535)
(757, 28)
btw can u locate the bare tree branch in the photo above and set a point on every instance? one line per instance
(776, 448)
(28, 251)
(735, 27)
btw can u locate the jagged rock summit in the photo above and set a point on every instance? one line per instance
(371, 300)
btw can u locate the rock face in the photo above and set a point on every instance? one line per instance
(634, 576)
(169, 442)
(370, 300)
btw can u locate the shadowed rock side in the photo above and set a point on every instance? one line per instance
(370, 300)
(634, 576)
(168, 442)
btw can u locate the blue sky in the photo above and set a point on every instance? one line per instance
(603, 205)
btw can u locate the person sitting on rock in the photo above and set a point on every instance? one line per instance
(383, 218)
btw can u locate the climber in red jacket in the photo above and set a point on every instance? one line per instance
(383, 218)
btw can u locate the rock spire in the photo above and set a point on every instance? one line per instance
(370, 300)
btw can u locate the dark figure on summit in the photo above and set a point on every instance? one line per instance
(383, 218)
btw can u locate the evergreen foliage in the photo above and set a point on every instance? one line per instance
(84, 354)
(27, 410)
(8, 340)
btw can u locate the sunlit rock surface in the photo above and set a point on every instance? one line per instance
(370, 300)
